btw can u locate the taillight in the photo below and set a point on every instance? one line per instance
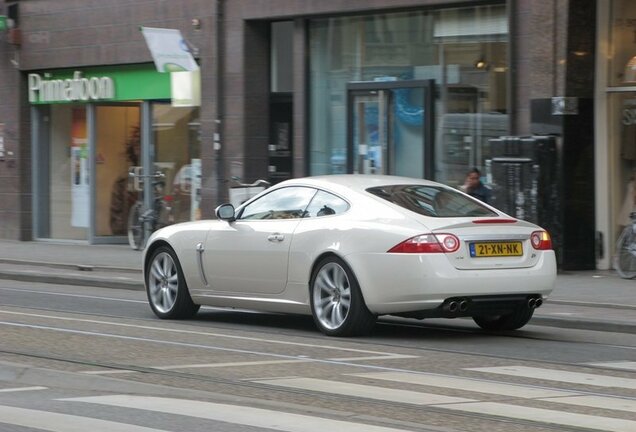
(428, 243)
(541, 240)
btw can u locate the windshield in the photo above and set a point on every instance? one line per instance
(434, 201)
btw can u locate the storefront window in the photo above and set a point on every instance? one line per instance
(464, 50)
(177, 153)
(622, 67)
(622, 115)
(69, 189)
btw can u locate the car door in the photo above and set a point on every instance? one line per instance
(251, 254)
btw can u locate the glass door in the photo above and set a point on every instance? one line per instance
(390, 128)
(369, 121)
(117, 152)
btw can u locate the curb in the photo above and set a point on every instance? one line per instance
(578, 324)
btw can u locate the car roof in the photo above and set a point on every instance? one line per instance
(356, 182)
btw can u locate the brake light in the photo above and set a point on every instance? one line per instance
(494, 221)
(541, 240)
(428, 243)
(168, 198)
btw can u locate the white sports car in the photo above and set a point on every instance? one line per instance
(348, 248)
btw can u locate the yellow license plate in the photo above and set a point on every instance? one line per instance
(495, 249)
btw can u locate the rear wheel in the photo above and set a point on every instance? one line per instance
(135, 227)
(512, 321)
(336, 301)
(625, 261)
(167, 291)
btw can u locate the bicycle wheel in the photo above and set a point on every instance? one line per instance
(625, 260)
(136, 227)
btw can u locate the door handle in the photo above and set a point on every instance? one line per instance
(276, 237)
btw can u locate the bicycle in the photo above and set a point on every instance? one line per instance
(249, 190)
(625, 259)
(143, 221)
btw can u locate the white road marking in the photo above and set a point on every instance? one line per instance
(467, 384)
(546, 416)
(561, 376)
(21, 389)
(230, 364)
(382, 357)
(54, 422)
(200, 366)
(255, 417)
(603, 402)
(365, 391)
(626, 365)
(475, 406)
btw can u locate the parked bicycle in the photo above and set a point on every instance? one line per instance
(144, 221)
(625, 259)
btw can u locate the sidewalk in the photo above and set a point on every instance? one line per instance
(593, 300)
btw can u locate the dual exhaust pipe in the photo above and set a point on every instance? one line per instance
(534, 303)
(455, 306)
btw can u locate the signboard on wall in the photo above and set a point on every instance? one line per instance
(110, 83)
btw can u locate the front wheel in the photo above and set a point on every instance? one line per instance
(511, 321)
(336, 301)
(625, 260)
(166, 288)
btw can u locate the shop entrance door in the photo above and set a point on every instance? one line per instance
(390, 128)
(117, 148)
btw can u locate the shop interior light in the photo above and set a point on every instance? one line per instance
(630, 71)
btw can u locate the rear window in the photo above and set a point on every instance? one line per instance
(434, 201)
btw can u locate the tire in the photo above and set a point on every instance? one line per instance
(135, 227)
(166, 288)
(512, 321)
(625, 260)
(337, 304)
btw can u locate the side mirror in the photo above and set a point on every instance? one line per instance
(225, 212)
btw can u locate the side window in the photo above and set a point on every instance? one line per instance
(326, 204)
(285, 203)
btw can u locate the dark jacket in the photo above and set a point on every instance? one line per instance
(481, 192)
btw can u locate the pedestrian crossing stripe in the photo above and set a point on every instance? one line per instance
(504, 389)
(509, 411)
(54, 422)
(561, 376)
(626, 365)
(235, 414)
(467, 384)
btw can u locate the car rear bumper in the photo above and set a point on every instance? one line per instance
(395, 283)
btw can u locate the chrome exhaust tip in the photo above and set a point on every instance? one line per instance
(538, 302)
(532, 303)
(453, 306)
(463, 306)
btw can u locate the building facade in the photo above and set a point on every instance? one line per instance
(289, 88)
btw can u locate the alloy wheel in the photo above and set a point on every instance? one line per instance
(332, 295)
(163, 282)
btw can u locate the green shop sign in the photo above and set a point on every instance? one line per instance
(108, 84)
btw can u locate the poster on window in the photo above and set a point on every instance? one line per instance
(80, 190)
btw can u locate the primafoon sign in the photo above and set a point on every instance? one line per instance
(77, 88)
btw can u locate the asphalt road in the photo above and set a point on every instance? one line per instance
(91, 359)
